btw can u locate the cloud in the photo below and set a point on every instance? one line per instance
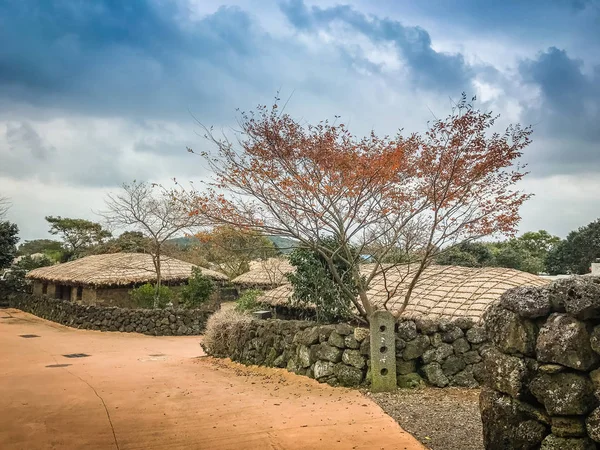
(126, 58)
(566, 111)
(429, 69)
(98, 93)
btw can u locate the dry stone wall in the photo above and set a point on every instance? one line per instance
(542, 375)
(156, 322)
(427, 352)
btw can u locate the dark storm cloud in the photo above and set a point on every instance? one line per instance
(120, 57)
(567, 114)
(430, 69)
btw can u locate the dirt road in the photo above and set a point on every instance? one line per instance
(142, 392)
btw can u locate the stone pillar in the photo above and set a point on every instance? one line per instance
(383, 351)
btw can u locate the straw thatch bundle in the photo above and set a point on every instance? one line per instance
(118, 269)
(265, 273)
(442, 291)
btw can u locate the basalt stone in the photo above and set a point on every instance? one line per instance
(400, 345)
(566, 341)
(353, 358)
(505, 373)
(336, 340)
(595, 339)
(324, 332)
(308, 337)
(552, 442)
(476, 335)
(461, 346)
(407, 330)
(464, 323)
(527, 301)
(305, 357)
(471, 357)
(351, 342)
(410, 381)
(360, 334)
(416, 347)
(452, 365)
(580, 296)
(464, 379)
(348, 375)
(452, 334)
(595, 377)
(405, 367)
(437, 354)
(436, 340)
(435, 375)
(323, 369)
(509, 332)
(573, 426)
(564, 394)
(509, 423)
(426, 326)
(327, 352)
(592, 424)
(344, 329)
(365, 347)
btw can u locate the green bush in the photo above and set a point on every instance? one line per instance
(197, 291)
(314, 285)
(247, 301)
(144, 296)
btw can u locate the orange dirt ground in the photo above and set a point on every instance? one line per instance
(142, 392)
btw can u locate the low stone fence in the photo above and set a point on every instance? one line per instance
(157, 322)
(440, 353)
(542, 373)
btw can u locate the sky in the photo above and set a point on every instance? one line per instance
(95, 94)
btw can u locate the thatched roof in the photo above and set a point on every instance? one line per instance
(442, 291)
(265, 273)
(118, 269)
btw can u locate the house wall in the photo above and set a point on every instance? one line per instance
(51, 292)
(38, 287)
(114, 296)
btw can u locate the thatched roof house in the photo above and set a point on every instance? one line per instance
(442, 291)
(107, 279)
(265, 274)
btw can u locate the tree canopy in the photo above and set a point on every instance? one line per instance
(282, 177)
(576, 253)
(77, 234)
(527, 253)
(9, 236)
(232, 249)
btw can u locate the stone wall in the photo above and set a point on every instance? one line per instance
(542, 372)
(157, 322)
(438, 353)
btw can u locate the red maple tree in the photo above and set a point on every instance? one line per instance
(401, 200)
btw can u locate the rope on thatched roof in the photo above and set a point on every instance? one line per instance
(118, 269)
(445, 292)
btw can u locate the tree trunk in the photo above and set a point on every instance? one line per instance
(158, 278)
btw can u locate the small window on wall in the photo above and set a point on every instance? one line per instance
(79, 293)
(45, 288)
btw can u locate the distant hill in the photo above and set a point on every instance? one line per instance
(183, 242)
(284, 245)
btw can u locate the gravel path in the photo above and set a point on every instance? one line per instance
(442, 419)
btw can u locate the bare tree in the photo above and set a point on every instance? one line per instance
(4, 206)
(150, 210)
